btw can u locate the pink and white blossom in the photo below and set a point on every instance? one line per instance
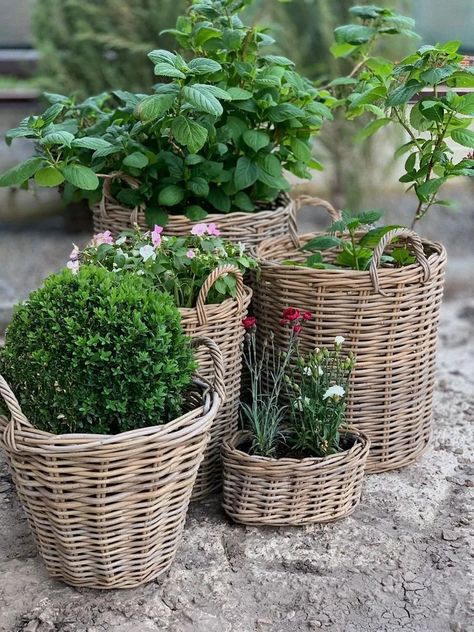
(190, 254)
(213, 230)
(74, 253)
(147, 252)
(156, 235)
(73, 266)
(103, 238)
(199, 230)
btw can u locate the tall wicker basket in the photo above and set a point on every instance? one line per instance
(108, 511)
(222, 323)
(249, 228)
(389, 318)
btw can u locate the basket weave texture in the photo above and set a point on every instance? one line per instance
(222, 323)
(264, 491)
(248, 228)
(389, 318)
(108, 511)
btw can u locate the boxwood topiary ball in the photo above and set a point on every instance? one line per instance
(97, 352)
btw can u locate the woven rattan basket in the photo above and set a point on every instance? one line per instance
(222, 323)
(108, 511)
(389, 318)
(248, 228)
(264, 491)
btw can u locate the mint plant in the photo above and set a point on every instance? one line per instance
(223, 122)
(408, 94)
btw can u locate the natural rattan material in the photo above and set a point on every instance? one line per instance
(248, 228)
(389, 318)
(264, 491)
(222, 323)
(108, 511)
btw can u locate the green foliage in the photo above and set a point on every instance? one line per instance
(316, 388)
(352, 247)
(97, 352)
(176, 265)
(224, 112)
(407, 93)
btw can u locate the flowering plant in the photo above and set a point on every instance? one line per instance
(297, 403)
(176, 265)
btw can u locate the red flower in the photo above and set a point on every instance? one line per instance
(284, 321)
(249, 322)
(297, 329)
(307, 316)
(291, 313)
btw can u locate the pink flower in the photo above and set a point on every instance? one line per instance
(297, 329)
(103, 238)
(199, 230)
(307, 316)
(213, 230)
(190, 254)
(73, 266)
(249, 322)
(291, 313)
(284, 321)
(156, 235)
(74, 253)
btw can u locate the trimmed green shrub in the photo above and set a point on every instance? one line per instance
(97, 352)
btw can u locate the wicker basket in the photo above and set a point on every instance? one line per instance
(264, 491)
(108, 511)
(222, 323)
(249, 228)
(389, 317)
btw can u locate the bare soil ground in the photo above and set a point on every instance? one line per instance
(402, 561)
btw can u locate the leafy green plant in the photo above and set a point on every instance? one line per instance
(176, 265)
(316, 387)
(97, 352)
(420, 94)
(351, 246)
(215, 135)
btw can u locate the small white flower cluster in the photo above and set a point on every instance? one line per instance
(335, 392)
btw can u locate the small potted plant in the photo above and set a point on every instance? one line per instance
(297, 463)
(107, 428)
(204, 275)
(213, 140)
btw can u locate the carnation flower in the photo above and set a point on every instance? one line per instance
(335, 392)
(297, 329)
(73, 266)
(213, 230)
(307, 316)
(103, 238)
(156, 235)
(147, 252)
(249, 322)
(190, 254)
(199, 230)
(74, 253)
(290, 313)
(338, 340)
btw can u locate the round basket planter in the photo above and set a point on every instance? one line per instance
(265, 491)
(222, 323)
(108, 511)
(389, 318)
(278, 218)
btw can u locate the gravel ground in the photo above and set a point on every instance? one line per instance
(402, 561)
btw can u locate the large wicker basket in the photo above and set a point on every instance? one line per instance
(108, 511)
(249, 228)
(389, 318)
(222, 323)
(264, 491)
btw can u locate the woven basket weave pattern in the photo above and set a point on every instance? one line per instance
(263, 491)
(222, 323)
(108, 511)
(248, 228)
(389, 318)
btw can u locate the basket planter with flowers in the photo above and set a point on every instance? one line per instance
(107, 427)
(298, 463)
(204, 275)
(381, 289)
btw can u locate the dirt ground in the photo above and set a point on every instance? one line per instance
(402, 561)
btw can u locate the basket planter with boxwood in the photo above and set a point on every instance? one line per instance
(107, 427)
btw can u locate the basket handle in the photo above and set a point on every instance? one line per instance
(17, 415)
(309, 200)
(209, 282)
(218, 381)
(417, 246)
(107, 193)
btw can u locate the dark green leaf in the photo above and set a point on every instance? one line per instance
(91, 142)
(322, 242)
(403, 94)
(136, 159)
(156, 216)
(372, 237)
(283, 112)
(243, 201)
(58, 138)
(198, 186)
(154, 106)
(256, 139)
(202, 99)
(203, 65)
(171, 195)
(434, 76)
(189, 133)
(239, 94)
(246, 173)
(195, 212)
(20, 173)
(219, 200)
(354, 34)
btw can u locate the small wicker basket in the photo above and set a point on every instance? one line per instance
(389, 318)
(248, 228)
(108, 511)
(264, 491)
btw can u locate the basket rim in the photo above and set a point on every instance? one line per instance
(208, 307)
(360, 447)
(438, 256)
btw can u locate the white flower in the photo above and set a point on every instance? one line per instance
(300, 402)
(320, 371)
(121, 240)
(73, 266)
(338, 340)
(307, 370)
(242, 247)
(334, 392)
(147, 252)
